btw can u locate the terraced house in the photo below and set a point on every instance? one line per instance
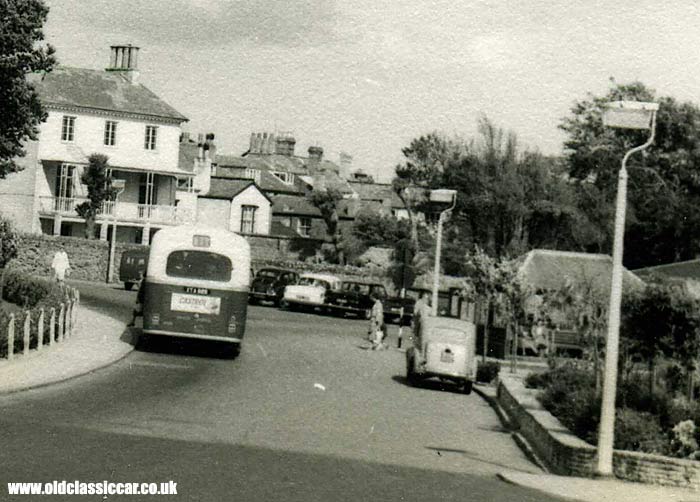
(108, 112)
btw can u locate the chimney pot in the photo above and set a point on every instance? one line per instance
(315, 153)
(124, 60)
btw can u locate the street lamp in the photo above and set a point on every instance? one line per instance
(624, 115)
(440, 197)
(118, 187)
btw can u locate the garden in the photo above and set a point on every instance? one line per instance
(657, 411)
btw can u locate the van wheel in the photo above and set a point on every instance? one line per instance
(467, 387)
(128, 285)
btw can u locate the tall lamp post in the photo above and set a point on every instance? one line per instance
(118, 187)
(624, 115)
(440, 197)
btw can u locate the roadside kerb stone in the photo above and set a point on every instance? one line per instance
(98, 341)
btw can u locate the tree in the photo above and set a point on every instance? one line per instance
(425, 160)
(663, 221)
(20, 109)
(326, 201)
(99, 188)
(585, 306)
(482, 271)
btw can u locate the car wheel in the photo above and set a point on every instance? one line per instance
(284, 304)
(467, 387)
(128, 285)
(253, 301)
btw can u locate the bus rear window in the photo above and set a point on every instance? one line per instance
(199, 265)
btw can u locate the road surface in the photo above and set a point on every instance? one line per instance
(305, 413)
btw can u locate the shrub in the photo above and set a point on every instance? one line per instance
(538, 380)
(487, 372)
(638, 431)
(8, 242)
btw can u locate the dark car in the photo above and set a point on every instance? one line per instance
(392, 309)
(132, 266)
(269, 283)
(355, 297)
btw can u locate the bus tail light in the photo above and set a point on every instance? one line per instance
(232, 324)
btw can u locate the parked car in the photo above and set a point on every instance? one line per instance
(310, 291)
(444, 348)
(355, 297)
(269, 283)
(392, 309)
(132, 266)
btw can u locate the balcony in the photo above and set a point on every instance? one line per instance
(126, 212)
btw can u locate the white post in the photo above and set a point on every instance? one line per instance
(40, 330)
(69, 318)
(11, 338)
(61, 322)
(27, 332)
(606, 431)
(52, 326)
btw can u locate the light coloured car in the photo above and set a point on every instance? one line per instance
(310, 291)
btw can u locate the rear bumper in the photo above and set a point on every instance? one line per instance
(192, 335)
(308, 303)
(259, 295)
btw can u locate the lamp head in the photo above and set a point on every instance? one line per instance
(629, 114)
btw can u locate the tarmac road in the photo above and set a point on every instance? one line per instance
(305, 413)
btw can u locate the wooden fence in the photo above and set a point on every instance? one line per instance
(51, 327)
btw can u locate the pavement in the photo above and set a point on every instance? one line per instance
(98, 341)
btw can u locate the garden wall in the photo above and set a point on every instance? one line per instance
(563, 453)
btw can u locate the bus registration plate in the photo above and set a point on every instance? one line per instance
(196, 304)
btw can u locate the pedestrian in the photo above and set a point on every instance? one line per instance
(420, 310)
(138, 308)
(60, 266)
(377, 328)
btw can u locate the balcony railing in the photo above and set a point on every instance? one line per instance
(122, 211)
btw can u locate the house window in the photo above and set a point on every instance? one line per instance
(248, 219)
(68, 128)
(284, 177)
(65, 179)
(185, 184)
(110, 133)
(304, 227)
(151, 137)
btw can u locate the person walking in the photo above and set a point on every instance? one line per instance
(377, 328)
(60, 266)
(421, 310)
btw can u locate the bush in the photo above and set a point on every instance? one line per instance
(8, 242)
(538, 380)
(638, 431)
(487, 372)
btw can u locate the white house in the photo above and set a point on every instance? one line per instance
(108, 112)
(236, 205)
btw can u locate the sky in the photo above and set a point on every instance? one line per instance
(365, 77)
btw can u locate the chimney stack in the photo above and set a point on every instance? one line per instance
(124, 60)
(345, 165)
(284, 144)
(315, 153)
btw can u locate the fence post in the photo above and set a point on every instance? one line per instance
(40, 330)
(69, 313)
(27, 333)
(52, 326)
(61, 322)
(11, 338)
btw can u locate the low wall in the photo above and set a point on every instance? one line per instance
(563, 453)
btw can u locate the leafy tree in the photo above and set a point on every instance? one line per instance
(8, 248)
(663, 220)
(20, 110)
(425, 160)
(327, 203)
(482, 271)
(99, 188)
(585, 306)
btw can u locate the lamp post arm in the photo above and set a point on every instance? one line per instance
(646, 145)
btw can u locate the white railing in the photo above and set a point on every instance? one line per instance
(122, 211)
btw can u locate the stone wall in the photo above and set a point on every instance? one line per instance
(563, 453)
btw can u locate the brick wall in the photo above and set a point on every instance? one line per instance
(565, 454)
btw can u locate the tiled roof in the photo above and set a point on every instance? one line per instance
(683, 270)
(293, 205)
(550, 270)
(268, 181)
(101, 90)
(224, 188)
